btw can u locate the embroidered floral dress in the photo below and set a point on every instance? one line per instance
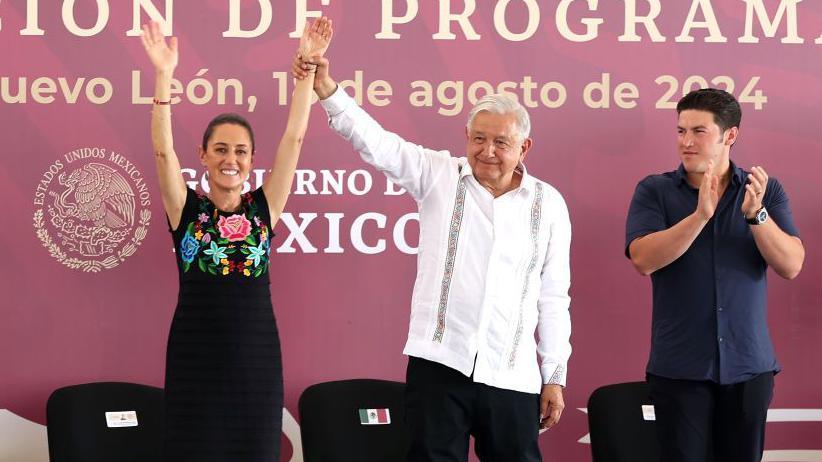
(223, 367)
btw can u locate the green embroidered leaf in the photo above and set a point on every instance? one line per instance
(245, 251)
(258, 271)
(201, 264)
(212, 270)
(250, 239)
(190, 228)
(230, 250)
(186, 266)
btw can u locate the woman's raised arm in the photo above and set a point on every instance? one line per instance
(164, 57)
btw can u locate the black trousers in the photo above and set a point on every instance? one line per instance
(444, 407)
(707, 422)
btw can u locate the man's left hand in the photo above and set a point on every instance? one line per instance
(754, 191)
(551, 405)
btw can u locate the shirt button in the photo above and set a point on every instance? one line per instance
(718, 308)
(721, 339)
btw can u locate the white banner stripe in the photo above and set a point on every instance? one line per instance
(795, 455)
(794, 415)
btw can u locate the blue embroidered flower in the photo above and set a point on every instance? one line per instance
(216, 252)
(257, 252)
(188, 248)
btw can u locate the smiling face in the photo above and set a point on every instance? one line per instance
(228, 156)
(494, 148)
(700, 140)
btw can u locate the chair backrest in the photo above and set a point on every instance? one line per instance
(332, 415)
(620, 431)
(79, 430)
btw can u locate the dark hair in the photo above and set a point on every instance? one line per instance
(227, 118)
(720, 103)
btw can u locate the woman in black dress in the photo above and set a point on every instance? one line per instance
(224, 386)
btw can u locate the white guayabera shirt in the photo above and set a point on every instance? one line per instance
(490, 272)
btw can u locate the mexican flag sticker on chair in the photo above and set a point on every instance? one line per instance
(375, 417)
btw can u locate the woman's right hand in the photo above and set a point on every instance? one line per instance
(164, 56)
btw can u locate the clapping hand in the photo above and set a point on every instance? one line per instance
(708, 193)
(754, 191)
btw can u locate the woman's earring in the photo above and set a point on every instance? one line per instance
(206, 175)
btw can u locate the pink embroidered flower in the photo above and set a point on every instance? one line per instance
(203, 218)
(257, 220)
(234, 228)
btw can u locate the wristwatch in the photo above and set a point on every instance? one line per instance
(760, 217)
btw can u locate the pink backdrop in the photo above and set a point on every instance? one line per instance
(345, 314)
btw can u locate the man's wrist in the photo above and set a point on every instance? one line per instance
(700, 217)
(759, 217)
(325, 88)
(750, 214)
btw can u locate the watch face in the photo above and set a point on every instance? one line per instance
(762, 216)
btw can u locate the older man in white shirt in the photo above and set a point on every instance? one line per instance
(492, 269)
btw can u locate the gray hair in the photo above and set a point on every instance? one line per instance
(499, 103)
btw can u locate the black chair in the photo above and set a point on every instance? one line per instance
(618, 428)
(331, 427)
(80, 431)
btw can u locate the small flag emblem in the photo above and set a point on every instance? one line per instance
(375, 417)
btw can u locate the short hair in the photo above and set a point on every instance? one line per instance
(223, 119)
(499, 103)
(720, 103)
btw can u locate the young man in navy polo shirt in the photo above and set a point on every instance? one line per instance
(707, 233)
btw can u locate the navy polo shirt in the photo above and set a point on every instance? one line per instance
(709, 306)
